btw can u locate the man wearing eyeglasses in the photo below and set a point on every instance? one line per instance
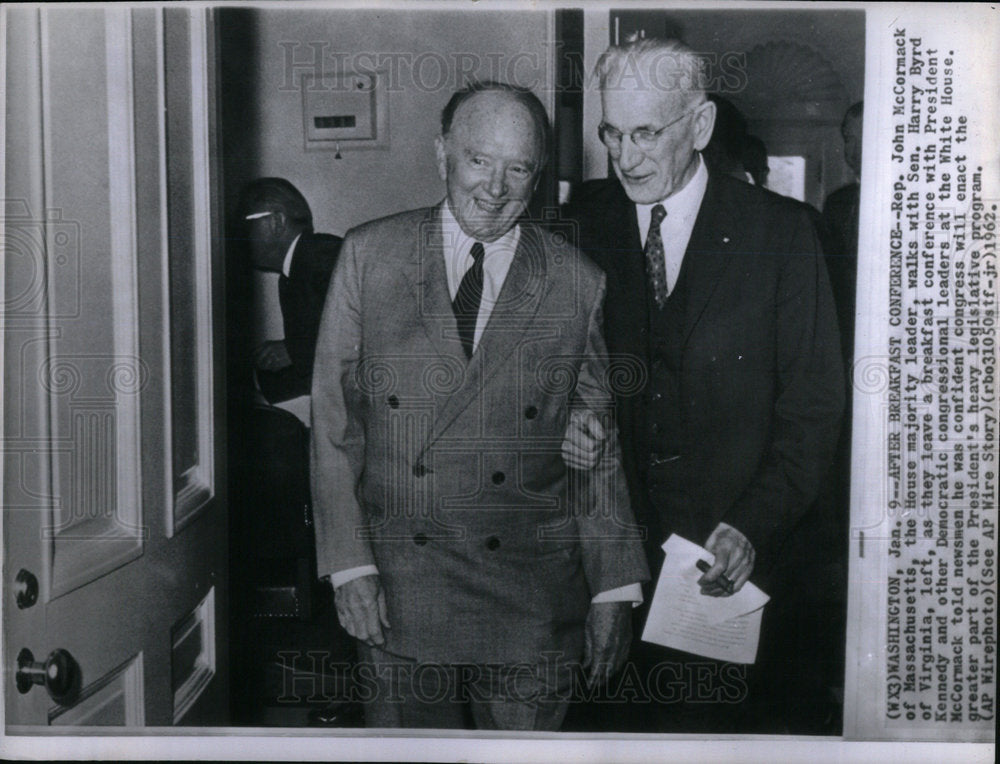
(279, 234)
(718, 288)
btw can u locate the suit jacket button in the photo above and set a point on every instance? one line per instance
(393, 402)
(420, 539)
(419, 470)
(492, 543)
(498, 478)
(531, 412)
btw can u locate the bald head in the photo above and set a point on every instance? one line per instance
(520, 95)
(490, 153)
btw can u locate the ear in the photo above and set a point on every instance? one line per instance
(442, 157)
(704, 122)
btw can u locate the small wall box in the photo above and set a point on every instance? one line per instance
(343, 111)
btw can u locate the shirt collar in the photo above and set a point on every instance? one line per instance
(286, 265)
(682, 204)
(457, 242)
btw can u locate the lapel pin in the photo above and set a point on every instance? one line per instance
(725, 239)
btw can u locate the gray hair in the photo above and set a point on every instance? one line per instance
(671, 67)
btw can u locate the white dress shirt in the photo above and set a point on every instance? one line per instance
(675, 231)
(498, 256)
(286, 265)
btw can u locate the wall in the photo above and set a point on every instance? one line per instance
(435, 48)
(595, 40)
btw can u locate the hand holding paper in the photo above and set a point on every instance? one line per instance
(734, 560)
(681, 617)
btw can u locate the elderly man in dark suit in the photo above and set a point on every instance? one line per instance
(473, 568)
(279, 231)
(719, 289)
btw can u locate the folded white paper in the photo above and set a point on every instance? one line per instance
(681, 617)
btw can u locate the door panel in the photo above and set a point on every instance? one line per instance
(115, 700)
(95, 321)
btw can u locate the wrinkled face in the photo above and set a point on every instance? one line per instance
(852, 144)
(652, 174)
(490, 162)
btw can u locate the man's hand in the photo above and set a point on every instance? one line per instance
(606, 640)
(361, 609)
(734, 558)
(583, 441)
(271, 356)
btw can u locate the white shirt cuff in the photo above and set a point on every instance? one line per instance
(341, 577)
(628, 593)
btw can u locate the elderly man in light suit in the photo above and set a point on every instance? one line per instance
(470, 564)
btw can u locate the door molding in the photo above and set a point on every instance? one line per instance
(191, 491)
(96, 522)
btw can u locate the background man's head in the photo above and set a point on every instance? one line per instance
(724, 152)
(656, 117)
(850, 131)
(755, 160)
(273, 212)
(493, 144)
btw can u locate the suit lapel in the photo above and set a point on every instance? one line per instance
(632, 271)
(709, 252)
(621, 244)
(426, 272)
(515, 309)
(623, 261)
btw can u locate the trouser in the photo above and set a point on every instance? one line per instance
(408, 693)
(661, 690)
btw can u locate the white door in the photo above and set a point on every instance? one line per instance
(114, 513)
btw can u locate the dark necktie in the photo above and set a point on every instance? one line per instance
(467, 299)
(655, 267)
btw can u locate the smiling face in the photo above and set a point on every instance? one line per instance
(490, 161)
(652, 175)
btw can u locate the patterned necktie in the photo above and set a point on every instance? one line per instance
(656, 268)
(467, 299)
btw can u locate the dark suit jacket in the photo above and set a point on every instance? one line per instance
(302, 294)
(447, 473)
(761, 379)
(840, 243)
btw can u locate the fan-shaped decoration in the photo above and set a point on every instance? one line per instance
(790, 73)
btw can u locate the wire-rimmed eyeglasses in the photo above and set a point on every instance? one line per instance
(643, 137)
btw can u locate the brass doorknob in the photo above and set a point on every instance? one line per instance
(60, 674)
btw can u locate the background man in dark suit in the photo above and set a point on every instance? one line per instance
(840, 228)
(281, 239)
(719, 289)
(470, 565)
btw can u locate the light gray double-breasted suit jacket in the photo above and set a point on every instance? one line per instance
(445, 472)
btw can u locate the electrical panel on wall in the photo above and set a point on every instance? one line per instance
(344, 111)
